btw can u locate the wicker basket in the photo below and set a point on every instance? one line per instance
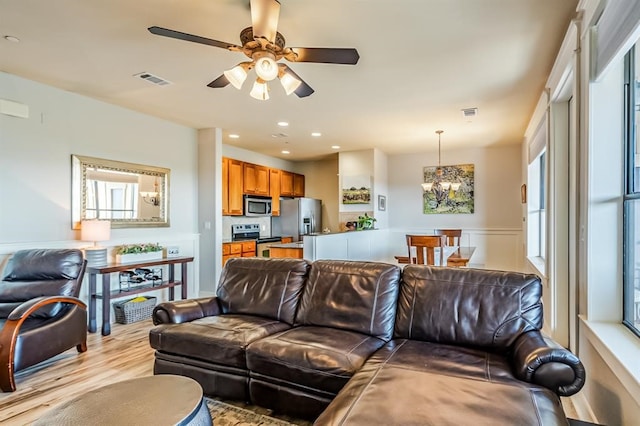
(128, 311)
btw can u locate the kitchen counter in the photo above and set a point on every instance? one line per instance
(286, 250)
(296, 245)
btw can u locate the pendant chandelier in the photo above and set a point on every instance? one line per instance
(439, 186)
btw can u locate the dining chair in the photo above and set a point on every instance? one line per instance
(425, 249)
(453, 236)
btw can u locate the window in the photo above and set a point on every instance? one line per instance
(631, 227)
(537, 192)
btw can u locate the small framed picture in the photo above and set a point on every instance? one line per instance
(382, 202)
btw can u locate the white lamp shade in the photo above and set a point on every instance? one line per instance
(260, 91)
(445, 185)
(236, 76)
(455, 186)
(266, 68)
(289, 83)
(95, 230)
(427, 186)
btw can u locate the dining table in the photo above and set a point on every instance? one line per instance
(456, 256)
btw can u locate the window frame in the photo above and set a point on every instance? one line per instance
(631, 194)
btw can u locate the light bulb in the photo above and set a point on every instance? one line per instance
(260, 90)
(289, 83)
(236, 76)
(266, 68)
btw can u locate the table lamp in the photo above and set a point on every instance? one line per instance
(95, 230)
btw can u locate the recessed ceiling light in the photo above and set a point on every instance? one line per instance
(234, 136)
(283, 123)
(335, 146)
(12, 39)
(284, 151)
(316, 134)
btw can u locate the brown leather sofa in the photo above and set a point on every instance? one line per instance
(40, 313)
(367, 343)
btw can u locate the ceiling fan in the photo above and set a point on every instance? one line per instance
(265, 46)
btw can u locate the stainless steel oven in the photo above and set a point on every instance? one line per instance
(252, 232)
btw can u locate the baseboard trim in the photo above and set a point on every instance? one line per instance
(582, 408)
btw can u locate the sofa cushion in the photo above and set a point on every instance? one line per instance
(315, 357)
(266, 287)
(439, 385)
(349, 295)
(217, 339)
(467, 307)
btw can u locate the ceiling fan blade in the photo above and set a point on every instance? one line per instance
(304, 89)
(327, 55)
(190, 37)
(264, 19)
(219, 82)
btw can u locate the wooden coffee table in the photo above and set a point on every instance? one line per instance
(154, 400)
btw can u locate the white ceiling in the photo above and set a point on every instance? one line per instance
(421, 62)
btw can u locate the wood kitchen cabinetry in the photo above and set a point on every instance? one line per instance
(232, 173)
(256, 179)
(291, 184)
(238, 249)
(274, 191)
(298, 185)
(240, 178)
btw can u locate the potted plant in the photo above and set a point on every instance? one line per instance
(138, 252)
(365, 222)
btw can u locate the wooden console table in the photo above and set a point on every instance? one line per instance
(108, 294)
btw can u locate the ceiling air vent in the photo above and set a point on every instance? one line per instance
(159, 81)
(469, 112)
(279, 135)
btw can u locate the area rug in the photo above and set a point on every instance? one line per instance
(231, 413)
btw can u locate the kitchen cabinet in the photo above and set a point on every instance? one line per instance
(285, 240)
(225, 186)
(291, 250)
(291, 184)
(256, 179)
(240, 178)
(286, 183)
(238, 249)
(298, 185)
(233, 189)
(274, 191)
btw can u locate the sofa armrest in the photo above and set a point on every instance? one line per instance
(185, 310)
(30, 306)
(540, 360)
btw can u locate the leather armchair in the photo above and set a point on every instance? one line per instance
(40, 313)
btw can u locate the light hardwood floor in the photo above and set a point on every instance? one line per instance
(125, 354)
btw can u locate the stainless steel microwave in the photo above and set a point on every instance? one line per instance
(257, 206)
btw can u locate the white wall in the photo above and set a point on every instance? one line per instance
(35, 168)
(495, 227)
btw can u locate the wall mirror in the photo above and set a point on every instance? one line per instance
(129, 195)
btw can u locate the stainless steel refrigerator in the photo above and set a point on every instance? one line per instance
(300, 216)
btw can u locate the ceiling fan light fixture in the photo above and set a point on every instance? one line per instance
(260, 90)
(289, 83)
(266, 68)
(236, 76)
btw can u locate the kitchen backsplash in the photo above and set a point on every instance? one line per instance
(263, 221)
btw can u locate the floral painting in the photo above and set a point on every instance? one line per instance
(448, 189)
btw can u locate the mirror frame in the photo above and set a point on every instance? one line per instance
(79, 166)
